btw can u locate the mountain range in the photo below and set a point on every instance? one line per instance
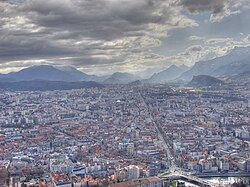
(48, 73)
(64, 74)
(234, 63)
(205, 81)
(121, 78)
(170, 74)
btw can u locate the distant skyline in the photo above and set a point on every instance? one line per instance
(106, 36)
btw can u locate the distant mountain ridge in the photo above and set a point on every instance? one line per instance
(48, 73)
(121, 78)
(235, 62)
(42, 72)
(204, 81)
(79, 75)
(167, 75)
(65, 74)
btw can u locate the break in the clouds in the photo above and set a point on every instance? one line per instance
(103, 36)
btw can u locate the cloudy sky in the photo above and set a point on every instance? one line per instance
(104, 36)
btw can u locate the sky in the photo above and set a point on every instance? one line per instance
(105, 36)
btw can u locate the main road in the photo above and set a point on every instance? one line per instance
(173, 168)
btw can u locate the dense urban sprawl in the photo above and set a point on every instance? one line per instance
(102, 136)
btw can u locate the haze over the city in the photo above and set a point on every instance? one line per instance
(106, 36)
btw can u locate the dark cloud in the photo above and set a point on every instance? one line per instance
(86, 61)
(219, 8)
(196, 6)
(92, 32)
(100, 30)
(97, 18)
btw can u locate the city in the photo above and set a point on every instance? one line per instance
(101, 136)
(125, 93)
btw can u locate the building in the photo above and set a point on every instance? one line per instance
(133, 172)
(248, 165)
(224, 165)
(154, 168)
(145, 182)
(130, 148)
